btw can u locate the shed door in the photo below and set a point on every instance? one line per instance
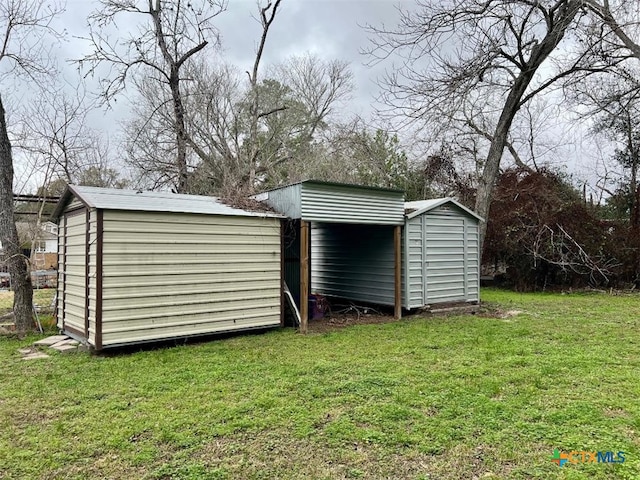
(444, 259)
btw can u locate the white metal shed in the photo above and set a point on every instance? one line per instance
(146, 266)
(441, 256)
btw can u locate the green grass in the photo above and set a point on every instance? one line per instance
(456, 397)
(42, 298)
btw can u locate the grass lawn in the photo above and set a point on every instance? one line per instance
(456, 397)
(41, 297)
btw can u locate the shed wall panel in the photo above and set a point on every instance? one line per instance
(344, 204)
(414, 245)
(61, 276)
(443, 258)
(292, 258)
(353, 262)
(93, 273)
(170, 274)
(71, 276)
(285, 200)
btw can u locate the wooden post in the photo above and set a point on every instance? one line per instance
(304, 276)
(397, 246)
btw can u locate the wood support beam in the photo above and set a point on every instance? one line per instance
(397, 246)
(304, 276)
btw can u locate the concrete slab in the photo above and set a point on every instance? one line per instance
(50, 340)
(65, 348)
(35, 355)
(68, 341)
(25, 351)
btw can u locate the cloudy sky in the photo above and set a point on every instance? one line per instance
(330, 29)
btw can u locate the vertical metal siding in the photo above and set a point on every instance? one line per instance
(414, 258)
(170, 274)
(442, 257)
(285, 200)
(355, 262)
(292, 257)
(345, 204)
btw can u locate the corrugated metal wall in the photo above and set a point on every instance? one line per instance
(413, 265)
(443, 260)
(72, 234)
(92, 278)
(473, 260)
(285, 200)
(346, 204)
(328, 202)
(355, 262)
(168, 275)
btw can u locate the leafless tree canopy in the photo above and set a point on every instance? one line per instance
(459, 58)
(25, 27)
(170, 33)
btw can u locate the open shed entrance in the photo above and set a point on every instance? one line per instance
(341, 241)
(353, 262)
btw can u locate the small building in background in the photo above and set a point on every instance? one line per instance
(147, 266)
(45, 248)
(441, 253)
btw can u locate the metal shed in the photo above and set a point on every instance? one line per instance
(342, 240)
(136, 267)
(441, 257)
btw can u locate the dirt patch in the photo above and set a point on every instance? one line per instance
(336, 321)
(492, 311)
(341, 316)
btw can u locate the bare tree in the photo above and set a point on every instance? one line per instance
(296, 103)
(55, 135)
(320, 85)
(500, 47)
(171, 34)
(621, 19)
(26, 32)
(266, 16)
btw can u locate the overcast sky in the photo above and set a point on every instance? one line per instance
(331, 29)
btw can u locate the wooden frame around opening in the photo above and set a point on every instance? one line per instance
(397, 248)
(304, 275)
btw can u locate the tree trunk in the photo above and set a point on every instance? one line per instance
(498, 143)
(539, 53)
(17, 263)
(181, 135)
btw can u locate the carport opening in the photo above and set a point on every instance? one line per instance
(354, 262)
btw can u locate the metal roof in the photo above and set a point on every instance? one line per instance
(421, 206)
(337, 203)
(333, 184)
(115, 199)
